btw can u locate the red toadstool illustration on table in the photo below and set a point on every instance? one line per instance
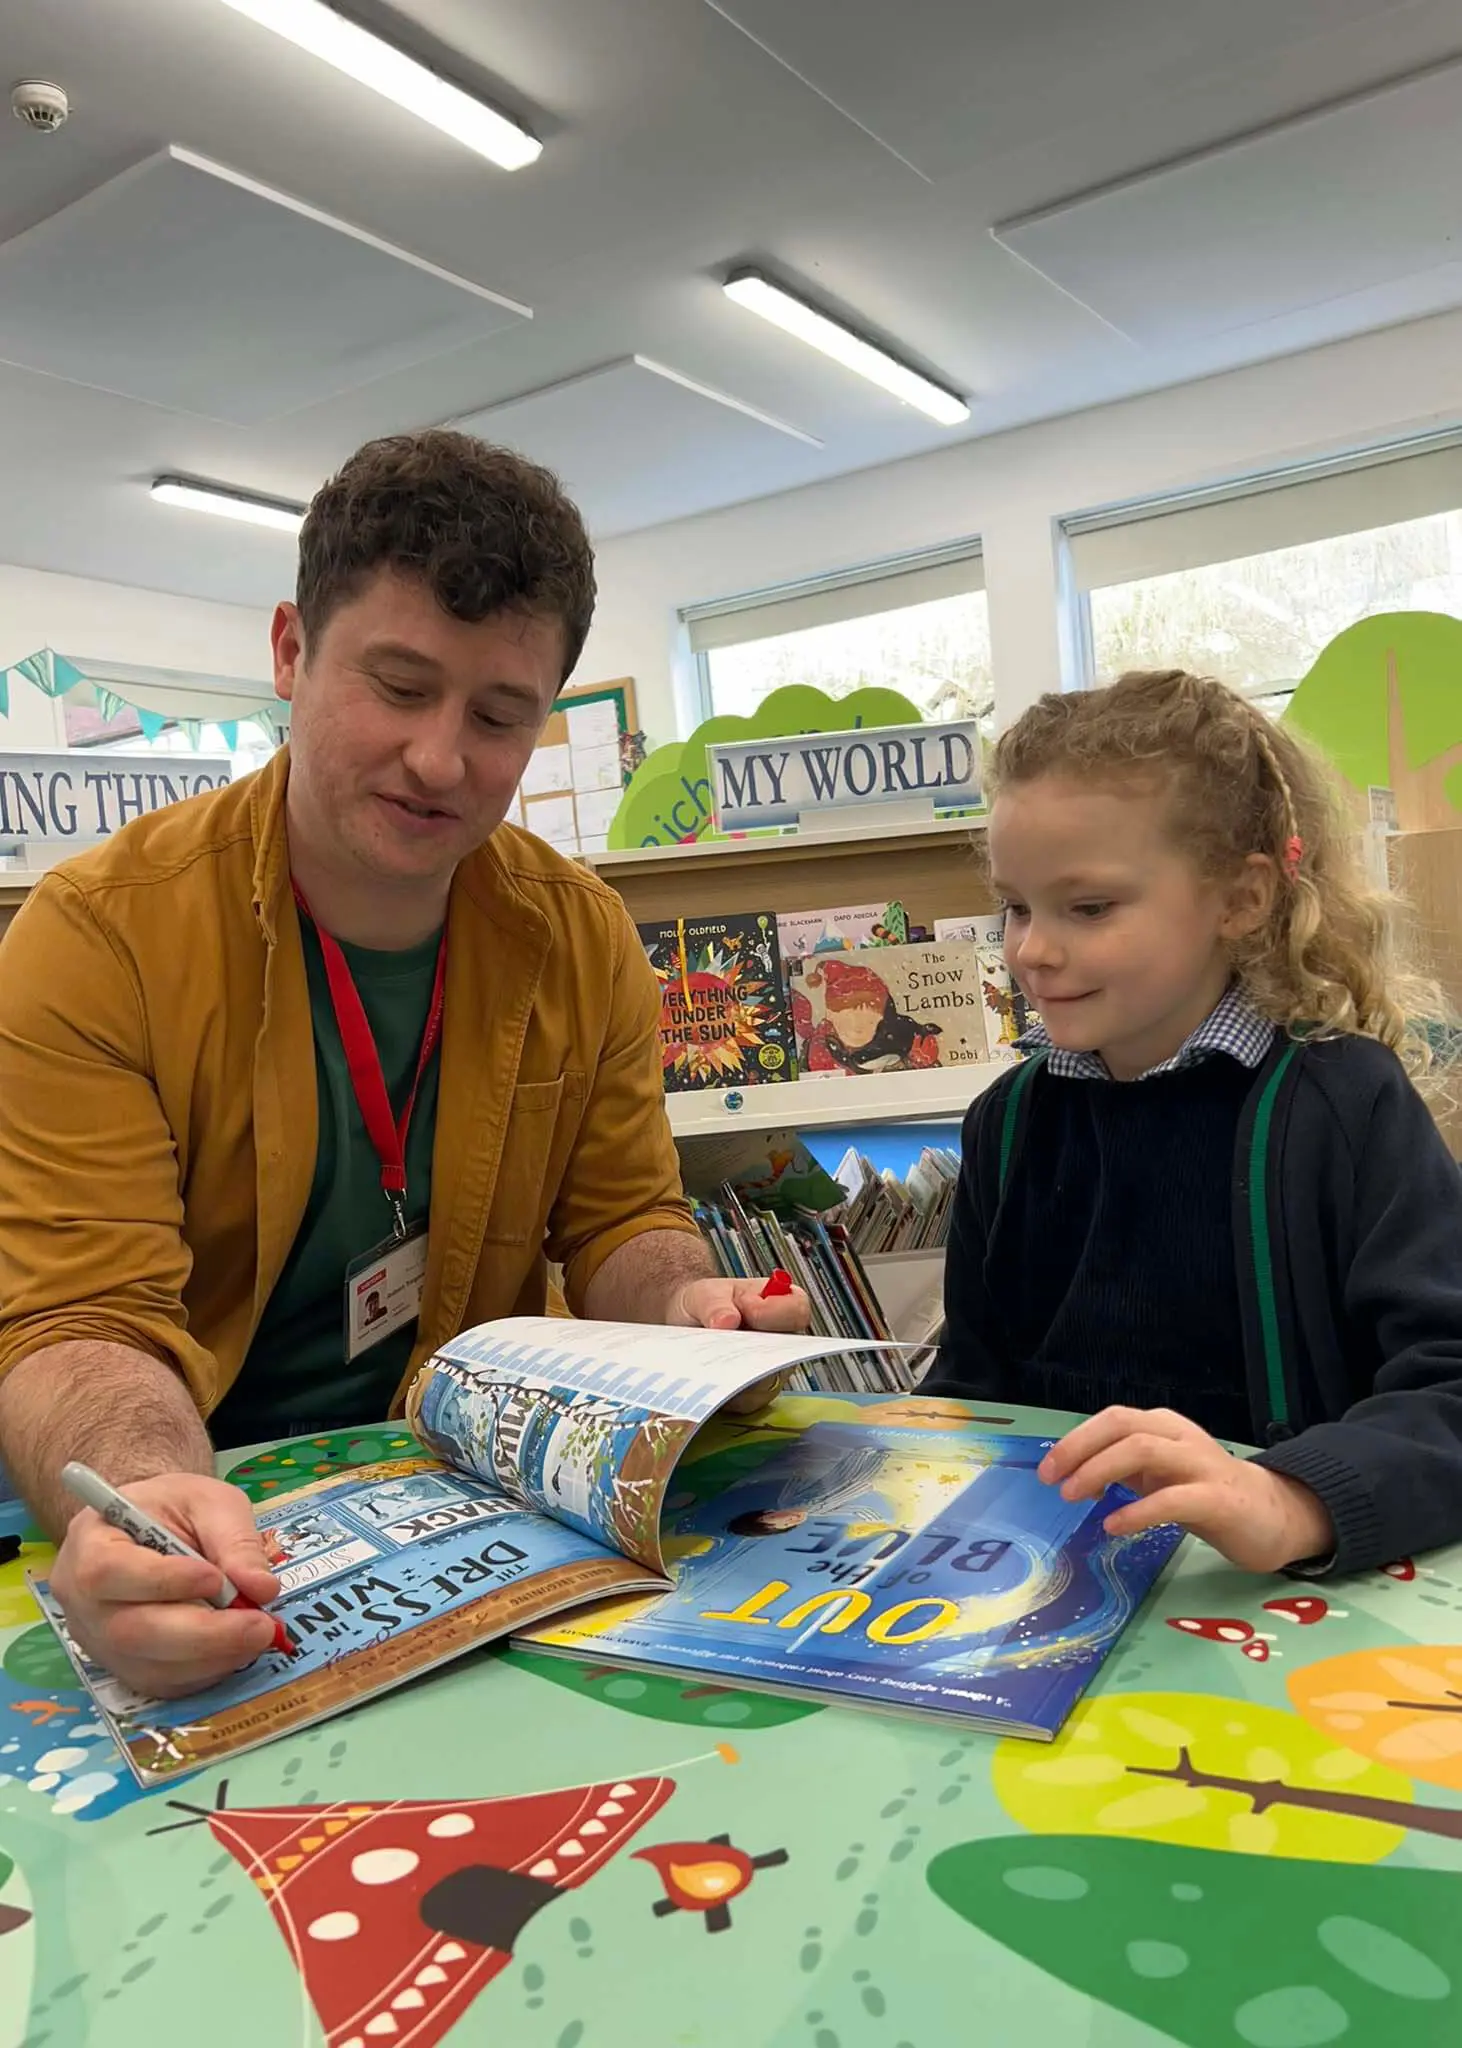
(1227, 1629)
(1305, 1609)
(398, 1912)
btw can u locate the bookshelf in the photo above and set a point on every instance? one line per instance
(933, 870)
(942, 1092)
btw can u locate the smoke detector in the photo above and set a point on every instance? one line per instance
(40, 104)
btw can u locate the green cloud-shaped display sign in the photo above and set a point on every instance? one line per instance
(669, 799)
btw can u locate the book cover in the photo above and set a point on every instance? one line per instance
(892, 1567)
(844, 930)
(724, 1019)
(888, 1009)
(1007, 1011)
(765, 1169)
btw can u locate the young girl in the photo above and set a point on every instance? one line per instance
(1211, 1204)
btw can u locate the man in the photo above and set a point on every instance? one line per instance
(335, 1031)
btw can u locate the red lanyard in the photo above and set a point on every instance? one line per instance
(357, 1040)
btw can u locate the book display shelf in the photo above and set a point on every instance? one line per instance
(931, 869)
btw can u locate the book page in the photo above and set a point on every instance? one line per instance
(386, 1572)
(585, 1421)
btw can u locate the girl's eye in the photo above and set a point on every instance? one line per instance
(1013, 911)
(1090, 911)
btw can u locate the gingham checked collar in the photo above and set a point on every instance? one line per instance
(1233, 1026)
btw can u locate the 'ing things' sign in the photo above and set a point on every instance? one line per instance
(791, 780)
(85, 796)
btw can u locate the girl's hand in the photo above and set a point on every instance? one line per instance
(1257, 1519)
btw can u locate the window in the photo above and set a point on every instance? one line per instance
(1250, 584)
(920, 626)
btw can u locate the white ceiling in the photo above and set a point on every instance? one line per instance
(356, 273)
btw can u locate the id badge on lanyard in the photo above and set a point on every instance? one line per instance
(384, 1286)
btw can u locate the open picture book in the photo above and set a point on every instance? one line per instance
(897, 1554)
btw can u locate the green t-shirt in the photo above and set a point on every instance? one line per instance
(295, 1379)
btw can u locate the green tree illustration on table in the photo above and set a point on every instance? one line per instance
(275, 1474)
(1222, 1951)
(1201, 1864)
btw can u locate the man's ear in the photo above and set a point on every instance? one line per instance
(287, 639)
(1249, 897)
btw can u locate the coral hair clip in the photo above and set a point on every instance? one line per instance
(1294, 849)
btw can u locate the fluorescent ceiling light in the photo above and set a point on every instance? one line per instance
(394, 75)
(794, 316)
(225, 504)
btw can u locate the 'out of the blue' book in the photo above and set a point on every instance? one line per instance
(921, 1567)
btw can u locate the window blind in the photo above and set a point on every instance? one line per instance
(829, 600)
(1320, 502)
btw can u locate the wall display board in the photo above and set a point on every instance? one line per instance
(574, 781)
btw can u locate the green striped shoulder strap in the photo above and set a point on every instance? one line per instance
(1010, 1116)
(1261, 1243)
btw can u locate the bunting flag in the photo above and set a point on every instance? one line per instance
(160, 697)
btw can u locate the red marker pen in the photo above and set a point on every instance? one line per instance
(780, 1283)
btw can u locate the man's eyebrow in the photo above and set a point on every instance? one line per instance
(402, 655)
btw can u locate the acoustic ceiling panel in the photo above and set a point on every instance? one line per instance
(1355, 201)
(636, 443)
(952, 87)
(187, 285)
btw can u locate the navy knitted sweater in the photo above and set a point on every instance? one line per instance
(1276, 1254)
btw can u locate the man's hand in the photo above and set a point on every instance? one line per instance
(140, 1614)
(739, 1305)
(1257, 1519)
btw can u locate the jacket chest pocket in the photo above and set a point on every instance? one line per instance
(541, 1129)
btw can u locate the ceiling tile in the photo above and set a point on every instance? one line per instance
(1345, 202)
(948, 86)
(635, 443)
(187, 285)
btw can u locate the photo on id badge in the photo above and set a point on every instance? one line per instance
(383, 1290)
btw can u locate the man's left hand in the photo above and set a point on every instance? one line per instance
(740, 1305)
(1258, 1519)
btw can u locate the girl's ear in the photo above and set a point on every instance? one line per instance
(1249, 897)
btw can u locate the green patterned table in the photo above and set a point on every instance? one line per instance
(1249, 1836)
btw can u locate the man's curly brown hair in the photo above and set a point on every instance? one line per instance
(484, 528)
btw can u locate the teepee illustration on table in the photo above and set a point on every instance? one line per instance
(398, 1912)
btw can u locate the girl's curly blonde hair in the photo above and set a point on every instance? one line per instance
(1329, 958)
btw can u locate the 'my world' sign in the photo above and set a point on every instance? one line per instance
(87, 795)
(799, 777)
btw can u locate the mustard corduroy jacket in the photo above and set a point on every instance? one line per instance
(157, 1089)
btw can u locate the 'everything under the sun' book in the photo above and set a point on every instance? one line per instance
(724, 1020)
